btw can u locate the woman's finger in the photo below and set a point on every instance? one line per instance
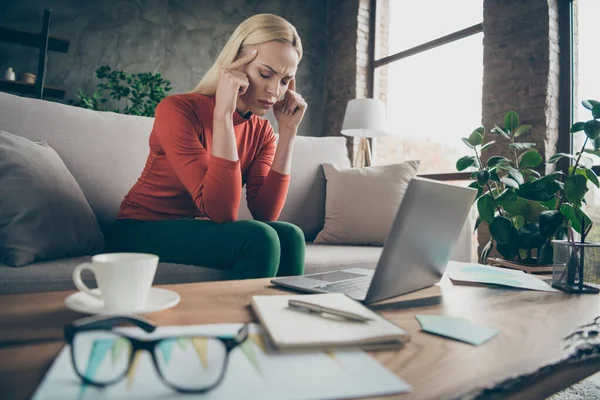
(292, 84)
(243, 60)
(290, 107)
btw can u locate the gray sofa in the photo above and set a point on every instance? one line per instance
(106, 152)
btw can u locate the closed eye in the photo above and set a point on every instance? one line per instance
(282, 83)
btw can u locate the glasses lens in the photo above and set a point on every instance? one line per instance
(191, 363)
(101, 356)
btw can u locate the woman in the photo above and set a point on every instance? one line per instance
(205, 145)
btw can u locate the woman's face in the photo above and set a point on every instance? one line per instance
(269, 75)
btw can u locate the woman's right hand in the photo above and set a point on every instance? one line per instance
(232, 84)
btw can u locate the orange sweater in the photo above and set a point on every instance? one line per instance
(182, 179)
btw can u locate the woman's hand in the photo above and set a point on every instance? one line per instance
(232, 84)
(290, 111)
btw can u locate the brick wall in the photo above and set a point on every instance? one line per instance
(520, 60)
(347, 61)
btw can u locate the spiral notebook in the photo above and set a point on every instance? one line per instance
(290, 329)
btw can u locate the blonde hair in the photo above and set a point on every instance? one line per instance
(255, 30)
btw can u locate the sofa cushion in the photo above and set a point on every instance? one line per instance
(44, 214)
(104, 151)
(305, 203)
(56, 275)
(362, 203)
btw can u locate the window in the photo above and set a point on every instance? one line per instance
(428, 69)
(588, 87)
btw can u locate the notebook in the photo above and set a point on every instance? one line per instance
(290, 329)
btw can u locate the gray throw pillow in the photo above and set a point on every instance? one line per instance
(43, 212)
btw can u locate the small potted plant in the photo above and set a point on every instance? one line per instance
(524, 210)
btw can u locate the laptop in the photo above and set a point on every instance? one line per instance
(424, 233)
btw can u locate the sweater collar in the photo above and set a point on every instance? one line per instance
(238, 119)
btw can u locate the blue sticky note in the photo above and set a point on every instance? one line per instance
(456, 328)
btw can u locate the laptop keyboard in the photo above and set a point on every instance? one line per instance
(353, 285)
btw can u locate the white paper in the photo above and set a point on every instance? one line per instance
(473, 272)
(343, 374)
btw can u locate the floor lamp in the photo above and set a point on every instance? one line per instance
(364, 118)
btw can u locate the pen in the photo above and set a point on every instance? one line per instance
(314, 308)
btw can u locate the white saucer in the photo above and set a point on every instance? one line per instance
(158, 300)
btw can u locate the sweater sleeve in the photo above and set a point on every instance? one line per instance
(266, 190)
(214, 183)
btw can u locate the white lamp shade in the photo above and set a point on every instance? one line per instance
(365, 118)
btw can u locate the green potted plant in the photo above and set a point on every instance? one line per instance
(140, 93)
(524, 210)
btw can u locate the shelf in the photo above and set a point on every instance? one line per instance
(32, 39)
(29, 88)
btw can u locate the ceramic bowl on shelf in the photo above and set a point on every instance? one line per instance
(27, 77)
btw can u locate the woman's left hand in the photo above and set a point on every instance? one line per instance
(290, 111)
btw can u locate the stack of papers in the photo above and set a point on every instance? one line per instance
(253, 373)
(478, 273)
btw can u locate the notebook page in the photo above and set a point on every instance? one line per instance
(289, 327)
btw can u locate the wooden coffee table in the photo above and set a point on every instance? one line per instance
(529, 359)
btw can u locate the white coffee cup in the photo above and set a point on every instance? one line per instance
(124, 279)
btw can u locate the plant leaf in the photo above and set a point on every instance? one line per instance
(466, 141)
(476, 138)
(575, 215)
(549, 222)
(521, 146)
(532, 172)
(465, 162)
(589, 104)
(485, 207)
(507, 197)
(516, 175)
(529, 236)
(518, 207)
(592, 129)
(509, 182)
(575, 189)
(488, 144)
(522, 129)
(591, 175)
(511, 121)
(577, 127)
(593, 152)
(496, 160)
(559, 156)
(596, 111)
(501, 229)
(530, 159)
(500, 131)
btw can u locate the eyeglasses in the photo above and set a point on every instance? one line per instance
(102, 356)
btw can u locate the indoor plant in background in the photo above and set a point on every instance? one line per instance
(140, 93)
(526, 211)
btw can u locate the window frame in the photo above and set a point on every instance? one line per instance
(432, 44)
(566, 31)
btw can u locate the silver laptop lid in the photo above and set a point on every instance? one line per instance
(428, 223)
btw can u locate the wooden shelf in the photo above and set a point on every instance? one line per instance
(33, 39)
(29, 88)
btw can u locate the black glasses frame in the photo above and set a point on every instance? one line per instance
(103, 323)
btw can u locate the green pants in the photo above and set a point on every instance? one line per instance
(250, 249)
